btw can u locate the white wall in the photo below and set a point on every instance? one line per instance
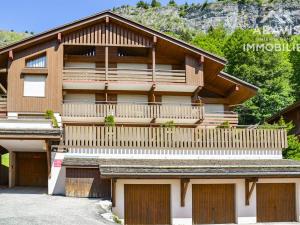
(81, 98)
(134, 66)
(56, 183)
(168, 99)
(25, 124)
(183, 215)
(214, 108)
(132, 98)
(81, 65)
(182, 153)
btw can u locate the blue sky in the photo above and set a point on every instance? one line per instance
(38, 16)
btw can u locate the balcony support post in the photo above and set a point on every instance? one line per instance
(154, 59)
(106, 63)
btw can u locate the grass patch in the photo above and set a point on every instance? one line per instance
(5, 160)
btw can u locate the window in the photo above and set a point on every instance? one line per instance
(34, 85)
(37, 62)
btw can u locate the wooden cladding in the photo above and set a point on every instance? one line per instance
(276, 202)
(133, 111)
(86, 183)
(130, 75)
(158, 137)
(147, 204)
(107, 34)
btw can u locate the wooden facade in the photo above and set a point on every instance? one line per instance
(16, 101)
(151, 201)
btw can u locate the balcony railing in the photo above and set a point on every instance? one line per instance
(115, 74)
(3, 106)
(125, 110)
(190, 138)
(147, 110)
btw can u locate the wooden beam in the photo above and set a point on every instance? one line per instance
(113, 192)
(3, 70)
(184, 183)
(196, 94)
(232, 91)
(3, 89)
(154, 40)
(59, 37)
(249, 190)
(106, 62)
(201, 60)
(11, 55)
(107, 19)
(153, 64)
(48, 152)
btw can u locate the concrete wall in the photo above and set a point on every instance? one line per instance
(183, 215)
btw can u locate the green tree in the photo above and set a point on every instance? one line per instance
(172, 3)
(295, 60)
(269, 70)
(142, 4)
(155, 3)
(213, 41)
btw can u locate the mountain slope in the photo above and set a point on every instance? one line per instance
(8, 37)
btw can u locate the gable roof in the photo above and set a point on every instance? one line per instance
(54, 32)
(286, 110)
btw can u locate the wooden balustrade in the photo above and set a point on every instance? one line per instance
(116, 74)
(133, 111)
(3, 106)
(190, 138)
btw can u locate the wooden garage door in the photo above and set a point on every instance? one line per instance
(147, 204)
(31, 169)
(275, 202)
(213, 203)
(86, 183)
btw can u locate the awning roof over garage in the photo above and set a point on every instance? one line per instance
(30, 133)
(129, 168)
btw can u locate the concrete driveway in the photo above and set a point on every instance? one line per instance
(31, 206)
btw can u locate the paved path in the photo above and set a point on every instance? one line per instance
(28, 206)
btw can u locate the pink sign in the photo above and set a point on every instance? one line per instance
(57, 162)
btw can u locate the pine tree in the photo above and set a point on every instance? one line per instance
(155, 3)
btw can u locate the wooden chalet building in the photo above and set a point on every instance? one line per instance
(289, 114)
(104, 68)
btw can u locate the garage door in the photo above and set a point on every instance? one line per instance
(213, 203)
(31, 169)
(275, 202)
(86, 183)
(147, 204)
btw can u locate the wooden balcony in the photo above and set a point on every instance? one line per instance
(130, 112)
(115, 74)
(125, 112)
(187, 138)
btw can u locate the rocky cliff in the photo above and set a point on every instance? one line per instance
(276, 17)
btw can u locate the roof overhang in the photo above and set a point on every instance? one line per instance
(48, 35)
(173, 169)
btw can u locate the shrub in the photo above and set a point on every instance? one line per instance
(109, 121)
(224, 125)
(50, 115)
(169, 124)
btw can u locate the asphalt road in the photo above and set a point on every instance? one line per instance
(27, 206)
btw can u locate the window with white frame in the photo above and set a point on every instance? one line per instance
(34, 85)
(37, 62)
